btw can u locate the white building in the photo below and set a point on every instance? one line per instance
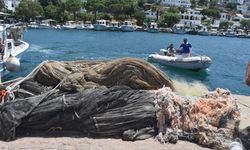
(241, 2)
(191, 18)
(177, 3)
(225, 17)
(242, 8)
(151, 14)
(11, 4)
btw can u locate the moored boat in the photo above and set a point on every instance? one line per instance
(12, 48)
(114, 26)
(69, 25)
(33, 25)
(127, 26)
(101, 25)
(179, 29)
(230, 33)
(203, 31)
(88, 26)
(178, 61)
(153, 28)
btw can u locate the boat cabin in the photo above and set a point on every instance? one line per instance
(102, 22)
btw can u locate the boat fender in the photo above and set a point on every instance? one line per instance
(12, 64)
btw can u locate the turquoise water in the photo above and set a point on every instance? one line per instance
(229, 55)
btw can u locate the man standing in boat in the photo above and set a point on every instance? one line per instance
(185, 48)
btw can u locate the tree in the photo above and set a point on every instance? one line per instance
(224, 25)
(157, 8)
(211, 12)
(203, 2)
(28, 9)
(231, 6)
(45, 3)
(2, 5)
(95, 6)
(170, 18)
(140, 17)
(50, 11)
(73, 6)
(193, 3)
(245, 24)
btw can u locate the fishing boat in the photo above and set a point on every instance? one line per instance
(88, 26)
(230, 33)
(69, 25)
(153, 28)
(114, 26)
(33, 25)
(127, 26)
(192, 63)
(179, 29)
(203, 31)
(101, 25)
(80, 25)
(11, 48)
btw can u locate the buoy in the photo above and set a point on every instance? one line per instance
(12, 64)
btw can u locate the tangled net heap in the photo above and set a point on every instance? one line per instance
(122, 98)
(210, 121)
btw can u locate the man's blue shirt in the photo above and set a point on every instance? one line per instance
(185, 48)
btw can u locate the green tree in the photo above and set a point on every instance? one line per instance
(73, 6)
(170, 18)
(28, 9)
(156, 7)
(45, 3)
(193, 3)
(95, 6)
(50, 11)
(211, 12)
(203, 2)
(224, 25)
(2, 5)
(231, 6)
(140, 17)
(245, 24)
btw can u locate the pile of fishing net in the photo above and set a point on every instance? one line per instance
(127, 98)
(210, 120)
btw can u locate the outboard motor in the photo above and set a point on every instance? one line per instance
(12, 64)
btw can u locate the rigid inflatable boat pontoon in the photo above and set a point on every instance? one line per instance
(191, 63)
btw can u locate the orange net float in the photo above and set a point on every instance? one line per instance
(3, 94)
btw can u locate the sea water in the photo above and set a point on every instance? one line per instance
(229, 55)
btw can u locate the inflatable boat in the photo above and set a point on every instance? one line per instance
(191, 63)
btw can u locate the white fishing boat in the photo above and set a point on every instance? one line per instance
(191, 63)
(179, 29)
(114, 26)
(69, 25)
(80, 25)
(127, 26)
(33, 25)
(230, 33)
(203, 31)
(88, 26)
(101, 25)
(153, 28)
(11, 49)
